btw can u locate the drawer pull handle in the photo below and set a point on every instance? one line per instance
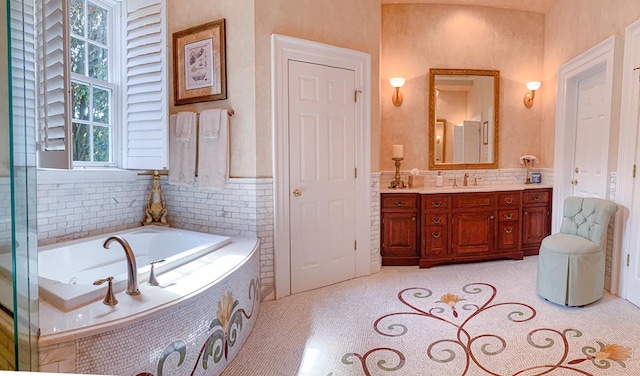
(508, 216)
(436, 220)
(526, 213)
(509, 201)
(491, 216)
(436, 204)
(399, 203)
(536, 198)
(435, 235)
(508, 230)
(413, 218)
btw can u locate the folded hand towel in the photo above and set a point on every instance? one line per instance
(210, 123)
(184, 125)
(182, 156)
(213, 157)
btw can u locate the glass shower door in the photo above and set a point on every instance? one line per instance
(19, 55)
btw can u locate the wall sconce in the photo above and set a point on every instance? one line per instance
(397, 83)
(528, 98)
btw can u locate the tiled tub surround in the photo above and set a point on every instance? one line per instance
(75, 210)
(202, 311)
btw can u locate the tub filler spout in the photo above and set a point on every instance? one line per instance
(132, 269)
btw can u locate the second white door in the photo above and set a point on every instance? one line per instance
(322, 175)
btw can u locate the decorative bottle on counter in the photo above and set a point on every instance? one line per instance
(439, 179)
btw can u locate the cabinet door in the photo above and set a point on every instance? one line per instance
(473, 232)
(399, 235)
(535, 225)
(508, 236)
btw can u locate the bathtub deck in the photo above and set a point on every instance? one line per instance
(176, 286)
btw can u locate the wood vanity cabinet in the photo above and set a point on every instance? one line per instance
(443, 228)
(536, 219)
(482, 226)
(400, 223)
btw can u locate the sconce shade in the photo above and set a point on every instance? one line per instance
(528, 98)
(533, 85)
(397, 82)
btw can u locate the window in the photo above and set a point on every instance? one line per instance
(93, 84)
(101, 85)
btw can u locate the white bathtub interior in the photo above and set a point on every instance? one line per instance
(67, 270)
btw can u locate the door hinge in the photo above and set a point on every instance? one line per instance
(355, 95)
(355, 245)
(628, 259)
(634, 171)
(355, 172)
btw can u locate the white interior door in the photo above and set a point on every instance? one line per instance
(321, 175)
(590, 156)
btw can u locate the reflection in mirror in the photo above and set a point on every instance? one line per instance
(463, 118)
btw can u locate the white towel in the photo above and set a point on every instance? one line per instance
(184, 126)
(213, 157)
(210, 123)
(182, 156)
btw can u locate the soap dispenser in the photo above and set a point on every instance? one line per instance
(439, 179)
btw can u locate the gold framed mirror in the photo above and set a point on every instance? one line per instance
(464, 113)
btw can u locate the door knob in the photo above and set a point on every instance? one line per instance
(577, 170)
(297, 192)
(574, 181)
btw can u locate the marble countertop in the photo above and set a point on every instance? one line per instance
(469, 189)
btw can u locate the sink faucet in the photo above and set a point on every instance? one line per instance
(464, 181)
(132, 269)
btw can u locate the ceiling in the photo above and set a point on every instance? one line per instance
(538, 6)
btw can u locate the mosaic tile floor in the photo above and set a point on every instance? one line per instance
(468, 319)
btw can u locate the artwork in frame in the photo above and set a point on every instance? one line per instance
(199, 66)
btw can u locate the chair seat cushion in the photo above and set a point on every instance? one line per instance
(568, 244)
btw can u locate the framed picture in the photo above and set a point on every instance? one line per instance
(485, 133)
(199, 67)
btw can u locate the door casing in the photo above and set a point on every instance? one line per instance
(283, 49)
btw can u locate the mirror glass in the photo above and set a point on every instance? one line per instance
(463, 118)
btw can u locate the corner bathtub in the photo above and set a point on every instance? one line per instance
(67, 270)
(210, 302)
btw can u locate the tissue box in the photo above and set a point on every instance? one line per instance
(416, 181)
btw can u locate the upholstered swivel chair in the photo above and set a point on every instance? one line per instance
(571, 263)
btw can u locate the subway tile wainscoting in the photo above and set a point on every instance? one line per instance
(244, 208)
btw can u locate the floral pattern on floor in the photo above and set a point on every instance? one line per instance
(476, 329)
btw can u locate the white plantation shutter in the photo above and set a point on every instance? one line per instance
(52, 84)
(23, 85)
(145, 142)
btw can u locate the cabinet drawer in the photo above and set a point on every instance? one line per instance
(435, 219)
(511, 199)
(508, 215)
(392, 201)
(474, 200)
(537, 197)
(435, 202)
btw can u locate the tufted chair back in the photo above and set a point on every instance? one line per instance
(587, 217)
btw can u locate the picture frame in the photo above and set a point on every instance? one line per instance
(485, 133)
(199, 63)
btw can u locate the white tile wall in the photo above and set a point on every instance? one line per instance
(375, 219)
(485, 177)
(244, 208)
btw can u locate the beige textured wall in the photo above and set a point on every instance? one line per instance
(241, 65)
(353, 24)
(416, 37)
(4, 98)
(571, 28)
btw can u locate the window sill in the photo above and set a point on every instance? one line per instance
(85, 175)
